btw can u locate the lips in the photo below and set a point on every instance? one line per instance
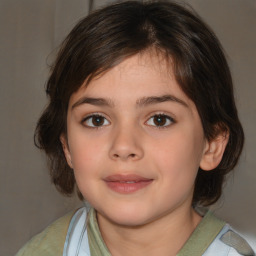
(126, 184)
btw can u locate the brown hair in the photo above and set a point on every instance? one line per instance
(108, 36)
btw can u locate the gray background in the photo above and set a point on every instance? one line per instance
(30, 32)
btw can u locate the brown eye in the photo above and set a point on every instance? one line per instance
(96, 121)
(160, 120)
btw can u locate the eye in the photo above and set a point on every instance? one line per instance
(95, 121)
(160, 120)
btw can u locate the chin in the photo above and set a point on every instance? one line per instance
(128, 217)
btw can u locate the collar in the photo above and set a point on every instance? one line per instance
(204, 234)
(199, 241)
(96, 242)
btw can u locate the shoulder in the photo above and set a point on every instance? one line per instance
(214, 237)
(229, 242)
(49, 242)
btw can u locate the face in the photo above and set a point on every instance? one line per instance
(135, 142)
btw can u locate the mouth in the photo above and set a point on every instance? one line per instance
(126, 184)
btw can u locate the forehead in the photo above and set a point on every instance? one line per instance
(142, 75)
(150, 60)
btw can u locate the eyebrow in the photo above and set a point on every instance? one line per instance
(93, 101)
(143, 102)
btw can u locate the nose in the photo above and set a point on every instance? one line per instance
(126, 145)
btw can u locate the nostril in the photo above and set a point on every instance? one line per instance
(127, 156)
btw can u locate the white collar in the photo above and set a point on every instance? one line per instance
(76, 243)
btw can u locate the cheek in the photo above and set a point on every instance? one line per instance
(86, 166)
(180, 153)
(85, 156)
(86, 152)
(177, 166)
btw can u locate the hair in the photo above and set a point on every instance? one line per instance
(108, 36)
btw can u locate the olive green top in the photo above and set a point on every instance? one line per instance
(96, 242)
(203, 235)
(199, 241)
(51, 241)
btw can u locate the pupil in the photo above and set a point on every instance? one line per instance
(159, 120)
(97, 120)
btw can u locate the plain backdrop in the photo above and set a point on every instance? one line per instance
(31, 30)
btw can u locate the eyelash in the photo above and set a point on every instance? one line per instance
(162, 115)
(97, 115)
(89, 118)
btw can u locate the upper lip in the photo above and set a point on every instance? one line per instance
(125, 178)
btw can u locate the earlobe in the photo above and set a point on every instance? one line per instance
(66, 151)
(214, 151)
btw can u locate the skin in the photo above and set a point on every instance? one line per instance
(129, 140)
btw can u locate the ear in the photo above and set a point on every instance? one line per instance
(65, 147)
(214, 151)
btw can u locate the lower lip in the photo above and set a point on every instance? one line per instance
(128, 188)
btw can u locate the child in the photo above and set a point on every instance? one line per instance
(141, 121)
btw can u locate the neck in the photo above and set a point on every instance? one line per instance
(164, 236)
